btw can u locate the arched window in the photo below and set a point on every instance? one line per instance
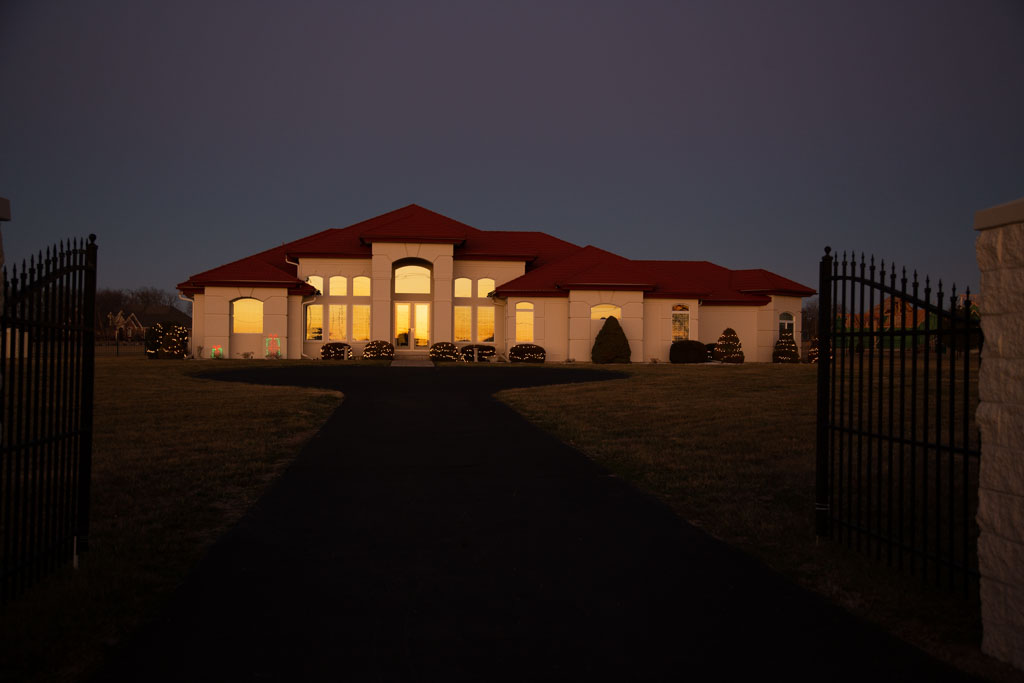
(786, 323)
(605, 311)
(412, 280)
(361, 286)
(247, 316)
(680, 322)
(317, 281)
(463, 288)
(524, 321)
(484, 287)
(338, 285)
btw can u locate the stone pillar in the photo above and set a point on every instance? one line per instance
(1000, 417)
(443, 267)
(380, 289)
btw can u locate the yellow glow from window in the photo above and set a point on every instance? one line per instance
(485, 324)
(336, 322)
(680, 325)
(524, 322)
(422, 327)
(680, 307)
(402, 325)
(484, 286)
(463, 287)
(247, 316)
(314, 322)
(412, 280)
(317, 282)
(339, 285)
(361, 323)
(463, 323)
(361, 286)
(602, 311)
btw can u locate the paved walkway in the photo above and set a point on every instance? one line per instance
(430, 533)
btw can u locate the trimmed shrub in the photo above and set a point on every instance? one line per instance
(166, 340)
(444, 351)
(379, 349)
(786, 350)
(710, 350)
(336, 351)
(812, 350)
(729, 349)
(611, 345)
(484, 352)
(688, 351)
(526, 353)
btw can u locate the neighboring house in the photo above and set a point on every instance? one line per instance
(132, 324)
(415, 277)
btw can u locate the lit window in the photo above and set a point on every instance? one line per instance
(317, 282)
(361, 323)
(484, 286)
(785, 323)
(247, 316)
(485, 324)
(361, 286)
(338, 285)
(336, 322)
(680, 322)
(412, 280)
(524, 322)
(314, 322)
(463, 288)
(463, 323)
(604, 311)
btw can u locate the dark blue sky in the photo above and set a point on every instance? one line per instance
(188, 134)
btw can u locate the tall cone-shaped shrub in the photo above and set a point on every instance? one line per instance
(611, 345)
(786, 350)
(729, 349)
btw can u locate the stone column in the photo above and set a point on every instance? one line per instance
(1000, 417)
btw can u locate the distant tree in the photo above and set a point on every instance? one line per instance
(809, 317)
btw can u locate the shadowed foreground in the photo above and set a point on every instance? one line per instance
(428, 532)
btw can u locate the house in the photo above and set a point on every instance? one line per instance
(415, 277)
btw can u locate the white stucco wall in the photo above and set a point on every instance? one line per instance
(211, 322)
(583, 331)
(1000, 417)
(756, 326)
(658, 326)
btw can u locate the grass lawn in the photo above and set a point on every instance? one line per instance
(731, 449)
(160, 496)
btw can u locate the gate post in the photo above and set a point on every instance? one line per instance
(822, 511)
(87, 397)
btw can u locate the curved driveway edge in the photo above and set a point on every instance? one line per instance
(428, 532)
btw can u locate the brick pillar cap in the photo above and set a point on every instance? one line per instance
(1004, 214)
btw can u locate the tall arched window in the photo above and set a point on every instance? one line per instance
(605, 311)
(484, 286)
(786, 324)
(338, 285)
(680, 322)
(524, 321)
(247, 316)
(412, 280)
(317, 281)
(463, 288)
(361, 286)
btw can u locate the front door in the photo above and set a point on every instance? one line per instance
(412, 326)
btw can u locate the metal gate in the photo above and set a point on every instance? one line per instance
(897, 447)
(46, 409)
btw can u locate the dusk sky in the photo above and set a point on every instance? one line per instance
(749, 133)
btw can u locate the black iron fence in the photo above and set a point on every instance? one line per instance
(897, 446)
(46, 408)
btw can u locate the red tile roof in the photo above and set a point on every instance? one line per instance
(553, 266)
